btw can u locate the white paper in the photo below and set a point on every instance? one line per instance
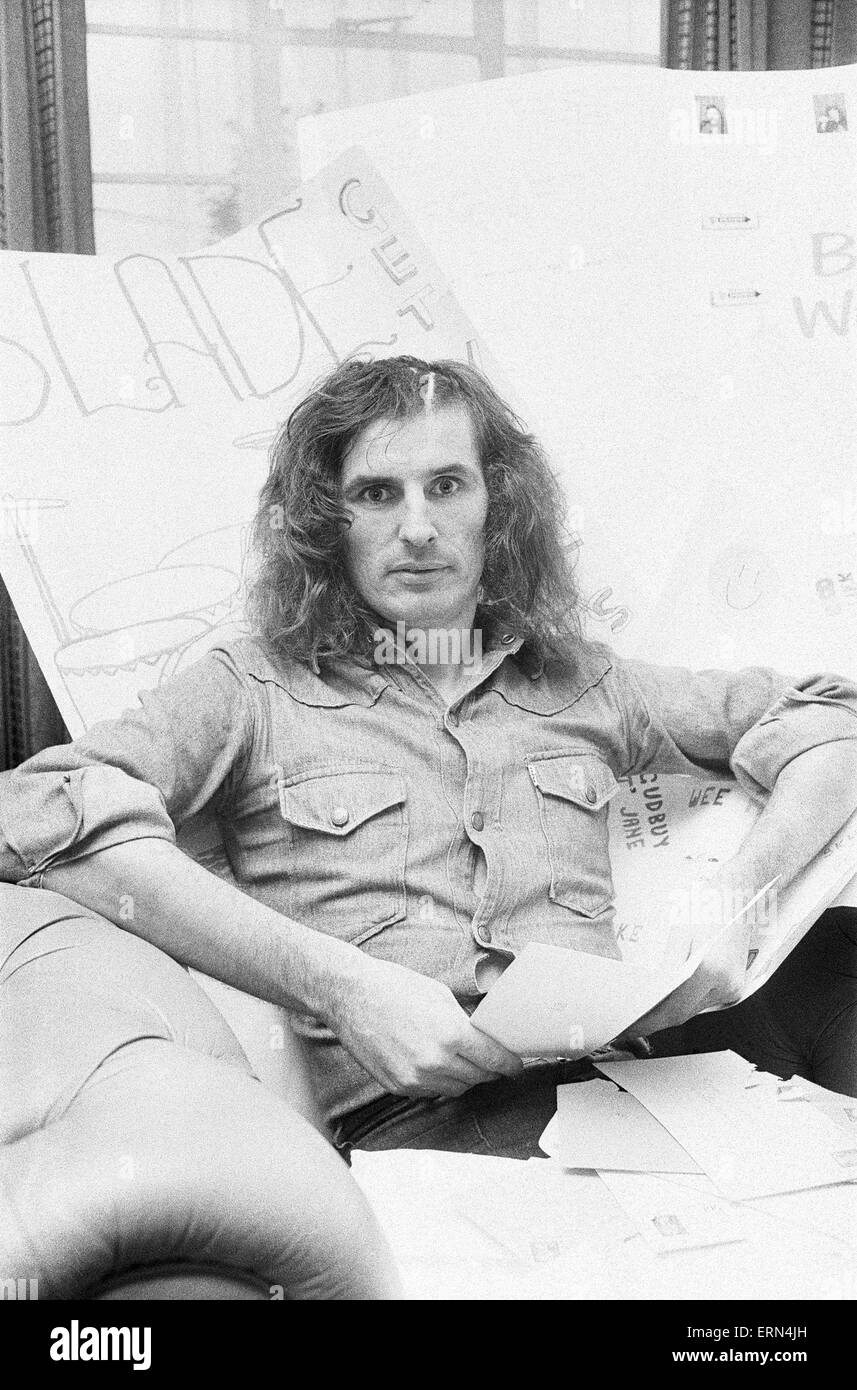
(799, 904)
(440, 1220)
(672, 1216)
(599, 1126)
(748, 1142)
(555, 1002)
(848, 896)
(842, 1110)
(467, 1227)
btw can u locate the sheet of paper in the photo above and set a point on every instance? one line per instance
(439, 1220)
(553, 1002)
(463, 1226)
(744, 1138)
(466, 1226)
(672, 1216)
(599, 1126)
(798, 906)
(848, 896)
(842, 1110)
(156, 377)
(830, 1212)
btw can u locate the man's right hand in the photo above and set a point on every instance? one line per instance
(412, 1035)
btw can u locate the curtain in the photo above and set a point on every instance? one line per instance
(742, 34)
(45, 205)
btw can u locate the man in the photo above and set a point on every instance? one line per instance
(402, 824)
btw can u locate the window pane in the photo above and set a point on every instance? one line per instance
(162, 106)
(380, 16)
(430, 70)
(517, 65)
(327, 79)
(310, 80)
(621, 26)
(179, 14)
(159, 219)
(194, 103)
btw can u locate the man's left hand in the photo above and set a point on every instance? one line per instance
(702, 922)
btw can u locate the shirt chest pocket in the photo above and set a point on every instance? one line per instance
(573, 791)
(347, 849)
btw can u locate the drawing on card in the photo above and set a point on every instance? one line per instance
(162, 618)
(738, 575)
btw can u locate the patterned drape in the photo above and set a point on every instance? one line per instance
(742, 34)
(45, 205)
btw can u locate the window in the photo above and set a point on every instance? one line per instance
(194, 103)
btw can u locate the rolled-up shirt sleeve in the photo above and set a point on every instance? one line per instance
(749, 723)
(138, 776)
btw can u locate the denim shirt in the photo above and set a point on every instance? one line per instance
(437, 835)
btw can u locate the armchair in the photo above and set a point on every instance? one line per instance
(141, 1156)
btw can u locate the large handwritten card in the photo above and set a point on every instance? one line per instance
(672, 294)
(139, 398)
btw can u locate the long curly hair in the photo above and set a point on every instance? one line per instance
(301, 601)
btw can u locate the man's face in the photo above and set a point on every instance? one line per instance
(418, 503)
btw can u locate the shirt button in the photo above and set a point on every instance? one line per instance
(484, 933)
(477, 820)
(339, 815)
(591, 795)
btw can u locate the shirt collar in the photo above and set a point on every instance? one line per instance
(526, 681)
(342, 683)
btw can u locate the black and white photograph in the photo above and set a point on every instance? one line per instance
(711, 115)
(830, 113)
(428, 669)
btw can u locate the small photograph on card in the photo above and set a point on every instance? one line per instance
(711, 115)
(830, 114)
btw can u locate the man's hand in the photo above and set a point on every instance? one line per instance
(702, 923)
(813, 796)
(409, 1032)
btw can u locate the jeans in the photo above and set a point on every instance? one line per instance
(802, 1022)
(503, 1118)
